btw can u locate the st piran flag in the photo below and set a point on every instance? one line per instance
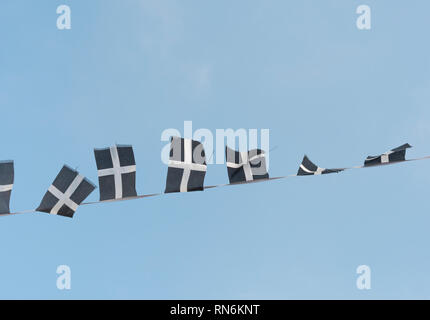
(307, 168)
(6, 184)
(394, 155)
(66, 193)
(187, 166)
(246, 166)
(116, 171)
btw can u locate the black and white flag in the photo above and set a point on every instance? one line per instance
(66, 193)
(246, 166)
(187, 166)
(308, 168)
(394, 155)
(6, 184)
(116, 171)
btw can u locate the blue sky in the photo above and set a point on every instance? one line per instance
(127, 70)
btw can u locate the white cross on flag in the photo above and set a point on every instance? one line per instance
(66, 193)
(117, 172)
(187, 166)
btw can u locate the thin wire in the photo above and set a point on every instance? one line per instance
(18, 212)
(225, 185)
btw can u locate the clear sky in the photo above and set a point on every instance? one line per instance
(128, 70)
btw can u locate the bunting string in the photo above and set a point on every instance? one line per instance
(186, 171)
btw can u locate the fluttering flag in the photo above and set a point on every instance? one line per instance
(394, 155)
(307, 168)
(187, 166)
(66, 193)
(116, 171)
(246, 165)
(6, 184)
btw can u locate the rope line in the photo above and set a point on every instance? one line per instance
(224, 185)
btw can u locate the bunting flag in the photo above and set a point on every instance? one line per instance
(394, 155)
(187, 166)
(308, 168)
(116, 171)
(245, 166)
(66, 193)
(6, 184)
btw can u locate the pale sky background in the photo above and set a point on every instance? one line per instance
(127, 70)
